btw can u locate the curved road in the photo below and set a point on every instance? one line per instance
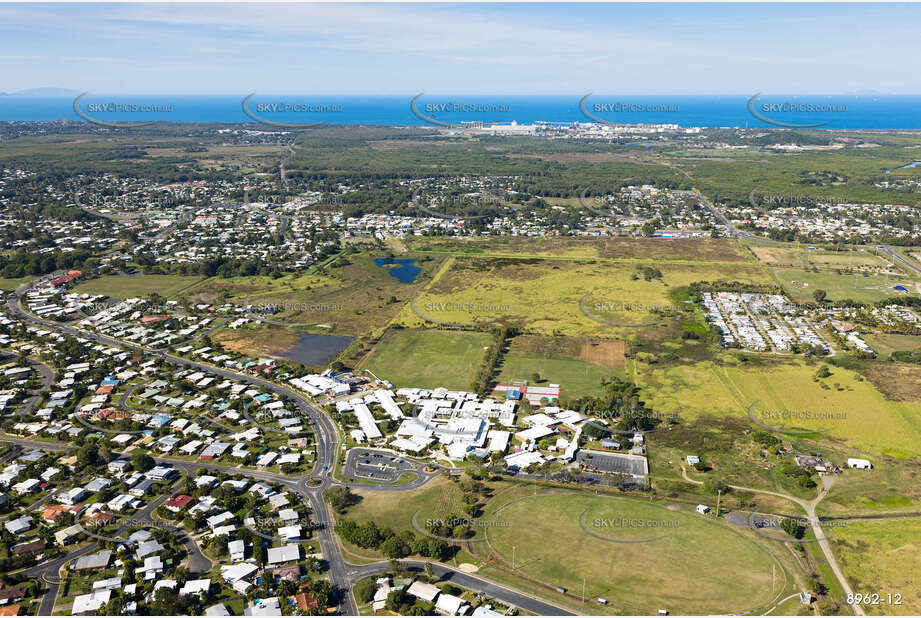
(809, 507)
(341, 574)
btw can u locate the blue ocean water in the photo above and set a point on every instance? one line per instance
(862, 111)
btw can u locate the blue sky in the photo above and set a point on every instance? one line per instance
(451, 48)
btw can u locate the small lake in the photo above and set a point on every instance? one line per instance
(317, 350)
(404, 271)
(904, 167)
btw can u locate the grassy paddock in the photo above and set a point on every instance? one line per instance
(639, 577)
(429, 358)
(121, 286)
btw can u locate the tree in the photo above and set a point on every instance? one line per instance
(792, 527)
(364, 590)
(535, 377)
(819, 296)
(341, 498)
(142, 462)
(715, 486)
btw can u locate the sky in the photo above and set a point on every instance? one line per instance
(461, 48)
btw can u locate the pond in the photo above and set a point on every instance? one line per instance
(317, 350)
(403, 271)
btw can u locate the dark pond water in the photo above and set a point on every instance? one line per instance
(404, 271)
(317, 350)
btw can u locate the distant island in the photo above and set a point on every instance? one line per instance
(42, 92)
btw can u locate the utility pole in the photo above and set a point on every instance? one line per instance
(719, 493)
(772, 576)
(513, 557)
(583, 590)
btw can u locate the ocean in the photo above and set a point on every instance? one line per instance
(858, 111)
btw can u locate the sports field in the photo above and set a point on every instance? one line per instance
(679, 569)
(801, 284)
(131, 286)
(577, 365)
(563, 297)
(429, 358)
(882, 556)
(850, 408)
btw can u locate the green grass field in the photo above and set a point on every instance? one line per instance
(872, 424)
(8, 285)
(802, 257)
(429, 358)
(883, 557)
(352, 298)
(436, 499)
(577, 365)
(885, 344)
(545, 296)
(680, 570)
(136, 285)
(801, 284)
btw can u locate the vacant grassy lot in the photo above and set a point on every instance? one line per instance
(429, 358)
(436, 499)
(545, 296)
(8, 285)
(801, 284)
(577, 365)
(354, 297)
(668, 249)
(636, 577)
(131, 286)
(265, 340)
(873, 423)
(887, 344)
(897, 381)
(883, 556)
(803, 257)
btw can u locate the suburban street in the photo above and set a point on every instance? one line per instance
(311, 488)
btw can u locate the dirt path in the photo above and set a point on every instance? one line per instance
(809, 507)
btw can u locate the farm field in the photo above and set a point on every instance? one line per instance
(872, 424)
(129, 286)
(635, 577)
(577, 365)
(800, 285)
(429, 358)
(881, 556)
(546, 296)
